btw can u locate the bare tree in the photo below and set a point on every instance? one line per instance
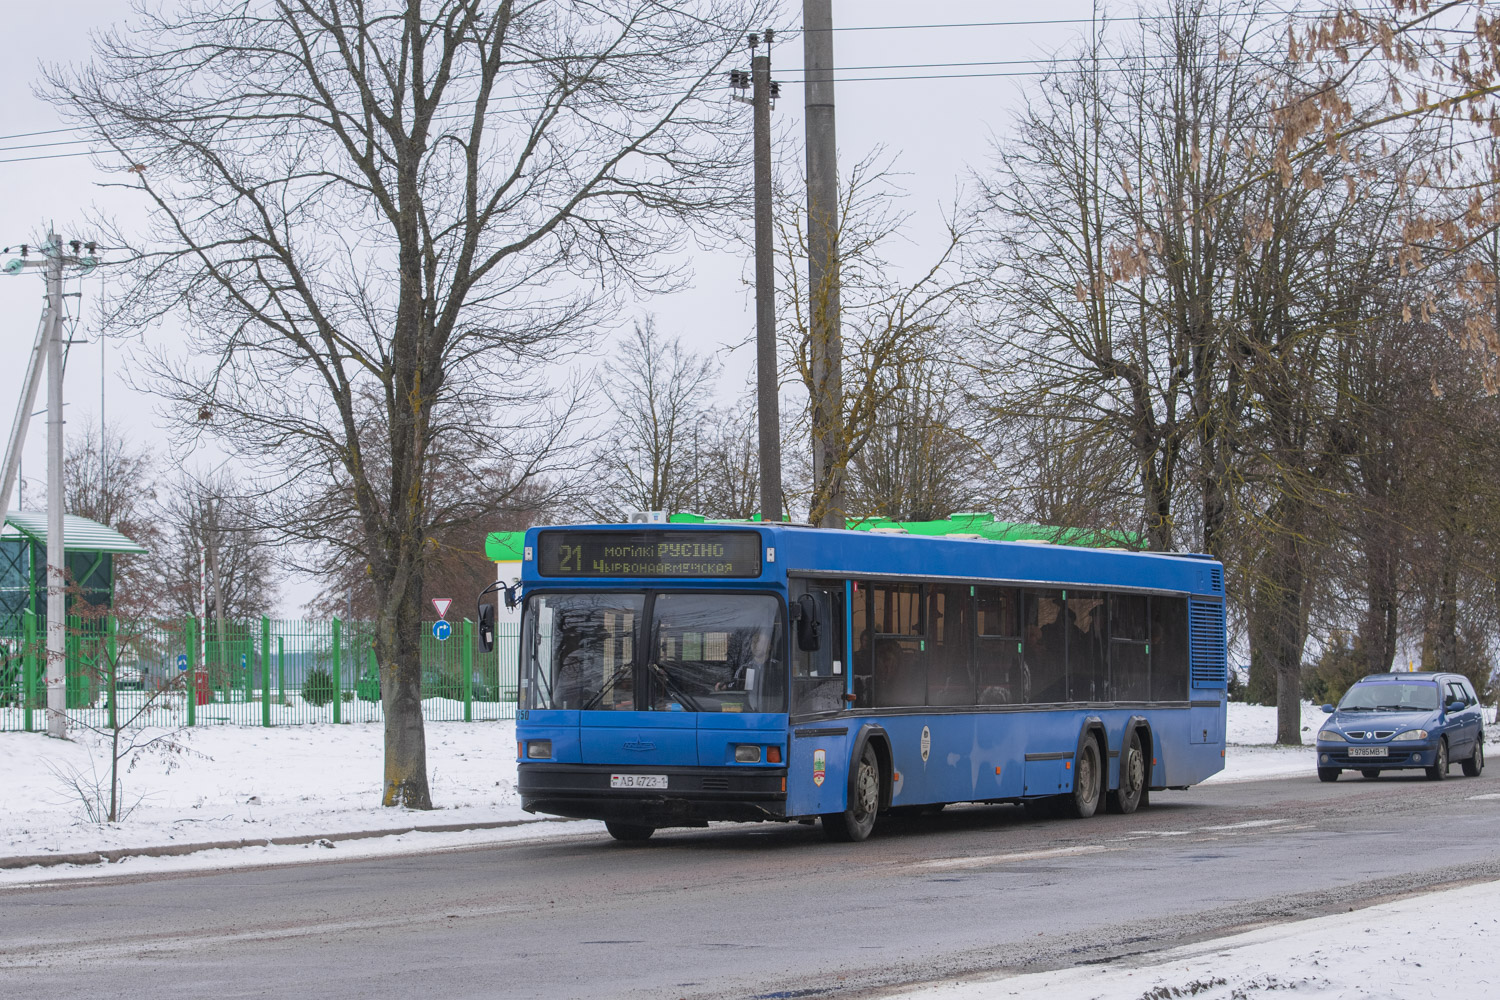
(413, 202)
(890, 325)
(648, 458)
(922, 460)
(106, 478)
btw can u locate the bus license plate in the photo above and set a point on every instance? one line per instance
(1367, 751)
(637, 781)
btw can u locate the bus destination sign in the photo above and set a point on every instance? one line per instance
(649, 553)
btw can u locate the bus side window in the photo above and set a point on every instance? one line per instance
(1044, 646)
(1169, 649)
(949, 678)
(862, 666)
(1129, 650)
(1088, 664)
(900, 638)
(997, 654)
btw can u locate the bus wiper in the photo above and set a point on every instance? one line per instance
(604, 689)
(673, 687)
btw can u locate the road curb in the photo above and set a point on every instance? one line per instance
(175, 850)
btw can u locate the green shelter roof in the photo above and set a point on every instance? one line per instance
(79, 533)
(506, 546)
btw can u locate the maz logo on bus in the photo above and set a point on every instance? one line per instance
(639, 745)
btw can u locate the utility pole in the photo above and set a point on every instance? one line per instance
(57, 609)
(827, 346)
(763, 93)
(56, 261)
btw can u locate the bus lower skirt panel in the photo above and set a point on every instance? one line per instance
(693, 795)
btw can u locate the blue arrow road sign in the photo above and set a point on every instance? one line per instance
(441, 630)
(182, 661)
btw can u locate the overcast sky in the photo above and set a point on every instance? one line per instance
(936, 123)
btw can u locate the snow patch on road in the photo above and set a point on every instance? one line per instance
(1447, 948)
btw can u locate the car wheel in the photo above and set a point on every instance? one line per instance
(1370, 772)
(1439, 769)
(1329, 773)
(1475, 764)
(1127, 798)
(855, 823)
(1084, 801)
(630, 833)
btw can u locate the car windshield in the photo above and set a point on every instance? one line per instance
(698, 653)
(1406, 696)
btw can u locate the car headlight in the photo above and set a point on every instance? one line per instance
(1332, 736)
(1411, 734)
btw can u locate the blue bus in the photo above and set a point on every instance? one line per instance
(677, 674)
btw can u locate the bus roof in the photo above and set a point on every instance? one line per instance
(802, 550)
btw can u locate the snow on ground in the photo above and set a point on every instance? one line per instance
(241, 783)
(1347, 956)
(238, 783)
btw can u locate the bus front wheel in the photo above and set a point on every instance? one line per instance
(855, 823)
(629, 832)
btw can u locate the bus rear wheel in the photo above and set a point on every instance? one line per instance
(855, 823)
(630, 833)
(1084, 801)
(1127, 799)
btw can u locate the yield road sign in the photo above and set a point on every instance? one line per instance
(441, 604)
(441, 630)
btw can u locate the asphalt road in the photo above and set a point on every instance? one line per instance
(757, 911)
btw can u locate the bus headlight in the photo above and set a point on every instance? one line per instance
(1411, 734)
(539, 749)
(1332, 736)
(747, 753)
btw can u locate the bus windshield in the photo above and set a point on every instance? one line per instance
(720, 652)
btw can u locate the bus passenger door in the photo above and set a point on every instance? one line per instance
(818, 758)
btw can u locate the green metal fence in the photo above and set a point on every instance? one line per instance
(268, 672)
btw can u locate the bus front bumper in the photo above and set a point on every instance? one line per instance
(693, 795)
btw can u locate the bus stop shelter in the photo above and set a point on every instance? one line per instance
(89, 552)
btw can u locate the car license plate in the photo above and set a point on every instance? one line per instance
(1367, 751)
(637, 781)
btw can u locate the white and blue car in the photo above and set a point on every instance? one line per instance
(1387, 722)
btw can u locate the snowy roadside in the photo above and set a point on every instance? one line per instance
(1347, 956)
(249, 784)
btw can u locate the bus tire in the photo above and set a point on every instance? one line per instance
(1083, 802)
(1329, 773)
(855, 823)
(1127, 798)
(629, 833)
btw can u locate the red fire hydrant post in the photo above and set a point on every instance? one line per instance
(201, 685)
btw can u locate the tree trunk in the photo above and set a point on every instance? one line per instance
(398, 650)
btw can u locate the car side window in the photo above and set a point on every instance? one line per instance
(1456, 693)
(1469, 694)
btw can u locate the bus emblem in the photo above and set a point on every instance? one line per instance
(820, 766)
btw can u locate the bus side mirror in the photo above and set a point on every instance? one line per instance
(809, 628)
(487, 627)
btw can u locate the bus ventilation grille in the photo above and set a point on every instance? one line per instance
(1206, 653)
(1216, 580)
